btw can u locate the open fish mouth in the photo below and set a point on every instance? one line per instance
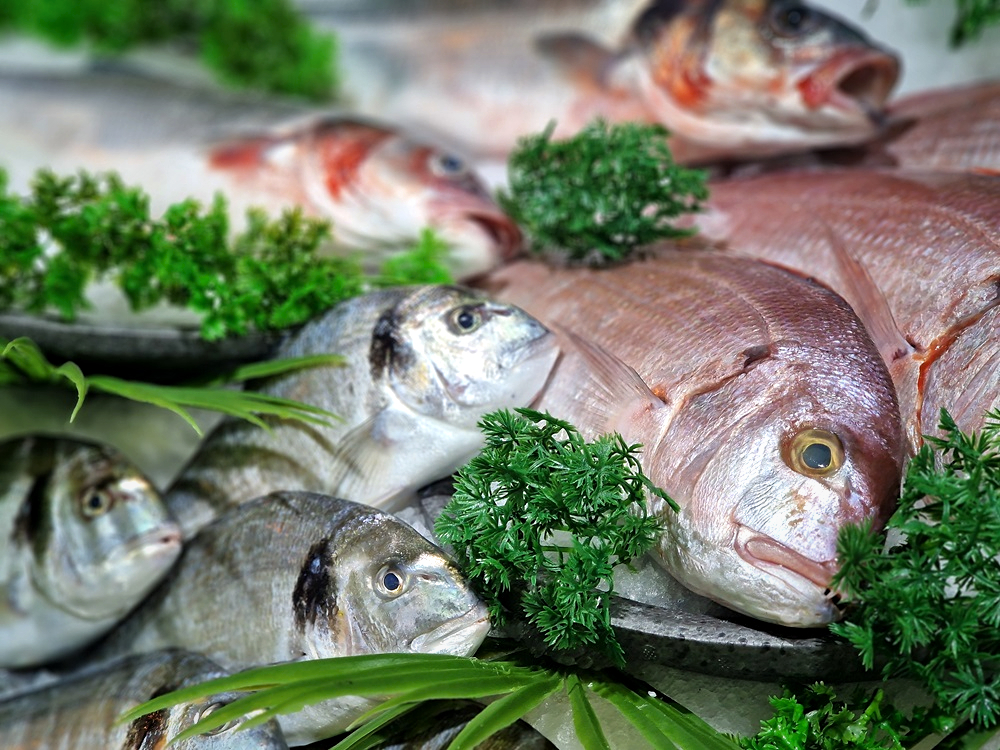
(765, 553)
(501, 230)
(855, 81)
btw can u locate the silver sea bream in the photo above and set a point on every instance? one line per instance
(87, 536)
(298, 575)
(82, 712)
(422, 365)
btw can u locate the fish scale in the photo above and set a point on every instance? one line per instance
(726, 370)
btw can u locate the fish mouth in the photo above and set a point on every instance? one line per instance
(501, 230)
(854, 81)
(460, 636)
(766, 553)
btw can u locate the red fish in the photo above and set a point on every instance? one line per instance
(916, 254)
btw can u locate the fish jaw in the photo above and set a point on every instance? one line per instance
(459, 637)
(479, 236)
(729, 85)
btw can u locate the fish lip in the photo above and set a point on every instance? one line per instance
(501, 230)
(448, 634)
(857, 80)
(765, 553)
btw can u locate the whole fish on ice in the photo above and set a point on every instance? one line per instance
(731, 79)
(917, 255)
(769, 416)
(86, 537)
(81, 712)
(379, 186)
(296, 575)
(423, 365)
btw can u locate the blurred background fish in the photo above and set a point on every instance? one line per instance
(86, 537)
(82, 712)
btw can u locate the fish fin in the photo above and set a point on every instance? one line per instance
(582, 59)
(869, 303)
(364, 452)
(613, 382)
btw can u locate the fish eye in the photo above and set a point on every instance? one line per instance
(791, 19)
(207, 711)
(447, 165)
(96, 502)
(814, 453)
(390, 582)
(465, 319)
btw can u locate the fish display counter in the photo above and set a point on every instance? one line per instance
(781, 360)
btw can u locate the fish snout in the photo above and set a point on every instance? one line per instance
(501, 230)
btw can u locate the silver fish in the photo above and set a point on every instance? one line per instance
(769, 416)
(423, 364)
(732, 79)
(436, 732)
(86, 538)
(297, 575)
(379, 186)
(81, 712)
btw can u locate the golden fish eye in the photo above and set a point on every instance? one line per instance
(465, 319)
(96, 502)
(390, 582)
(814, 453)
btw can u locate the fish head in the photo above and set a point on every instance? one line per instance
(453, 354)
(761, 76)
(381, 188)
(384, 588)
(799, 453)
(101, 535)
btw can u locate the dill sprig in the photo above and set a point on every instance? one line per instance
(544, 514)
(72, 231)
(602, 193)
(265, 44)
(930, 605)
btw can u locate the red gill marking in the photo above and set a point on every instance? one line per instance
(342, 152)
(239, 155)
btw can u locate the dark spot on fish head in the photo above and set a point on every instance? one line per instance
(387, 346)
(314, 597)
(658, 14)
(33, 525)
(148, 732)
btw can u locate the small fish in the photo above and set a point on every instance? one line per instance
(380, 187)
(917, 254)
(82, 711)
(762, 405)
(731, 79)
(297, 575)
(422, 366)
(86, 537)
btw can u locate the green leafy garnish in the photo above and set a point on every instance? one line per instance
(73, 230)
(930, 605)
(602, 193)
(405, 681)
(545, 515)
(22, 362)
(972, 19)
(265, 44)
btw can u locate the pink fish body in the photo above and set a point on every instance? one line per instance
(916, 254)
(768, 416)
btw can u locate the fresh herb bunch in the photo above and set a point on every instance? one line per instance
(815, 719)
(930, 605)
(602, 193)
(544, 514)
(269, 278)
(972, 19)
(265, 44)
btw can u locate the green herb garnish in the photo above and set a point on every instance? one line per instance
(930, 605)
(602, 193)
(264, 44)
(70, 231)
(546, 515)
(972, 19)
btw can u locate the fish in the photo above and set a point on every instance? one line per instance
(82, 710)
(299, 575)
(437, 730)
(942, 130)
(421, 366)
(916, 253)
(378, 185)
(760, 402)
(86, 538)
(730, 80)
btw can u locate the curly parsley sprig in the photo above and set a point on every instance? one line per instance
(73, 230)
(602, 193)
(931, 605)
(544, 514)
